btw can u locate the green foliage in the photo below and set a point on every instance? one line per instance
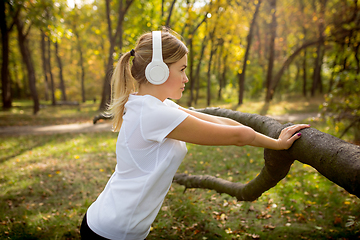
(342, 104)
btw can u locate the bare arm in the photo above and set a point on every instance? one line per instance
(204, 129)
(211, 118)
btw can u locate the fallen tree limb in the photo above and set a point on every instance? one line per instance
(334, 158)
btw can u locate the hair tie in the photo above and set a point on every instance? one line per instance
(132, 52)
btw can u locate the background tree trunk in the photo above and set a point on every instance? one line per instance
(269, 78)
(5, 80)
(334, 158)
(198, 67)
(170, 13)
(191, 60)
(212, 51)
(44, 64)
(52, 83)
(26, 55)
(106, 94)
(62, 82)
(249, 38)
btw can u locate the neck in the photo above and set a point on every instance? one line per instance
(153, 90)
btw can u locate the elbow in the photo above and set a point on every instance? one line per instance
(245, 136)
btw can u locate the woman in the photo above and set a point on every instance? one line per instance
(152, 135)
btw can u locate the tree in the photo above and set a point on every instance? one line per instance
(269, 76)
(5, 80)
(334, 158)
(122, 10)
(249, 38)
(191, 56)
(62, 83)
(26, 55)
(44, 64)
(317, 82)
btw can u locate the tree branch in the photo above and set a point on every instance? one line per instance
(334, 158)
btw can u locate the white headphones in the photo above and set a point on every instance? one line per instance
(157, 72)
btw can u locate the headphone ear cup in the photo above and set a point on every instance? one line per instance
(157, 72)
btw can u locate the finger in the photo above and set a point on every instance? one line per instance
(297, 127)
(294, 138)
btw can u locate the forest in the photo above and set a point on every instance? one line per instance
(64, 51)
(57, 57)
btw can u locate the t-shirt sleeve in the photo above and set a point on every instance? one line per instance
(158, 121)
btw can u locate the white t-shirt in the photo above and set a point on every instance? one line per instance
(146, 164)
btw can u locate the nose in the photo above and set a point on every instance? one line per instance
(186, 80)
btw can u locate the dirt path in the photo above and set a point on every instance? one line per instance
(106, 126)
(53, 129)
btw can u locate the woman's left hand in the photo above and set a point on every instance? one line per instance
(288, 137)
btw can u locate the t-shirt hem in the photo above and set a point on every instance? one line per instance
(128, 236)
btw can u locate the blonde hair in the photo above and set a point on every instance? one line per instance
(127, 77)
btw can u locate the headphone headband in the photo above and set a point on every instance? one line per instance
(157, 46)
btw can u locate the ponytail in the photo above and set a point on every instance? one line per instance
(122, 85)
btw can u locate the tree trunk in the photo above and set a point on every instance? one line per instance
(106, 94)
(44, 64)
(304, 65)
(62, 82)
(317, 82)
(334, 158)
(249, 38)
(26, 55)
(212, 51)
(49, 68)
(5, 80)
(81, 63)
(191, 61)
(222, 77)
(198, 67)
(170, 13)
(304, 69)
(191, 70)
(269, 91)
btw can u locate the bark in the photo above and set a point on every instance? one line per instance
(269, 78)
(170, 13)
(5, 80)
(197, 73)
(44, 64)
(212, 51)
(52, 83)
(249, 39)
(105, 97)
(334, 158)
(304, 86)
(62, 82)
(191, 69)
(26, 55)
(222, 74)
(304, 65)
(81, 64)
(191, 61)
(317, 83)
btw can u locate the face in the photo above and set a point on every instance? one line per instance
(175, 84)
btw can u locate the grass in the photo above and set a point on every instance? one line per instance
(22, 114)
(48, 181)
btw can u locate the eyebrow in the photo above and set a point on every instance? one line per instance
(184, 66)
